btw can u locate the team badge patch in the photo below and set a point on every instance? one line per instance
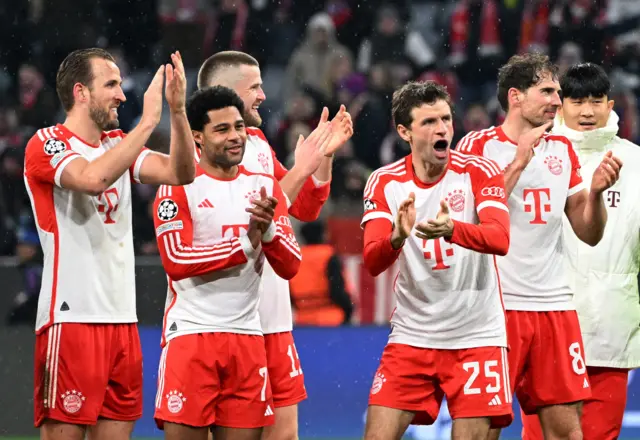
(455, 199)
(175, 401)
(378, 381)
(167, 210)
(72, 401)
(369, 205)
(54, 146)
(554, 164)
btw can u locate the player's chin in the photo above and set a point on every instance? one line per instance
(253, 119)
(112, 124)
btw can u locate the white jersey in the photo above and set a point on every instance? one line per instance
(259, 157)
(214, 272)
(447, 296)
(89, 264)
(532, 273)
(605, 277)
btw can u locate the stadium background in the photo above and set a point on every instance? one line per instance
(313, 53)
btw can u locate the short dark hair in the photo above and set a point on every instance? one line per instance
(211, 98)
(413, 95)
(76, 68)
(522, 72)
(584, 80)
(228, 58)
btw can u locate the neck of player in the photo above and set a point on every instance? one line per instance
(84, 128)
(218, 171)
(427, 172)
(515, 125)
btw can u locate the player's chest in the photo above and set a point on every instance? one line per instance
(220, 211)
(454, 190)
(257, 157)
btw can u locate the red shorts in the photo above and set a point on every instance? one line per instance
(545, 359)
(602, 413)
(87, 371)
(208, 379)
(285, 372)
(474, 380)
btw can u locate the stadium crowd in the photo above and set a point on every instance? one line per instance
(329, 52)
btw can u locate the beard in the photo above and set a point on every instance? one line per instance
(224, 161)
(251, 120)
(101, 118)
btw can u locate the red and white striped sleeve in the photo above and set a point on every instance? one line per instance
(279, 242)
(47, 154)
(174, 233)
(473, 142)
(492, 233)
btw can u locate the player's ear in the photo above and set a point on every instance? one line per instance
(80, 94)
(610, 104)
(514, 96)
(404, 133)
(198, 137)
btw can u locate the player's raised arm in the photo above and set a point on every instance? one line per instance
(174, 233)
(278, 240)
(74, 172)
(177, 168)
(586, 210)
(383, 240)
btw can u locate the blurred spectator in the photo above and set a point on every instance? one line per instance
(310, 64)
(371, 113)
(392, 42)
(319, 292)
(37, 101)
(30, 261)
(129, 110)
(475, 48)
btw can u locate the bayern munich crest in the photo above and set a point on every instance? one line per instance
(262, 158)
(175, 401)
(72, 401)
(378, 381)
(455, 200)
(252, 195)
(554, 164)
(54, 146)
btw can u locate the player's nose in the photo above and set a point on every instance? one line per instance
(120, 96)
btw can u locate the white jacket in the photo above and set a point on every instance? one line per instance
(604, 278)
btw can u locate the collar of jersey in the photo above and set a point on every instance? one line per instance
(69, 134)
(200, 171)
(419, 183)
(589, 141)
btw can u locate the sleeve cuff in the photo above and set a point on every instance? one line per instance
(247, 247)
(67, 160)
(318, 183)
(268, 236)
(138, 165)
(576, 189)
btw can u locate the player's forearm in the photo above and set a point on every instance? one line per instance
(282, 251)
(491, 236)
(292, 183)
(381, 249)
(511, 176)
(594, 219)
(102, 172)
(323, 173)
(308, 205)
(181, 260)
(181, 150)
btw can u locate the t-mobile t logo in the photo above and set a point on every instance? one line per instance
(541, 198)
(613, 197)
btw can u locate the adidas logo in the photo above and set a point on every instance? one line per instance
(586, 383)
(205, 204)
(495, 401)
(65, 307)
(269, 411)
(173, 327)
